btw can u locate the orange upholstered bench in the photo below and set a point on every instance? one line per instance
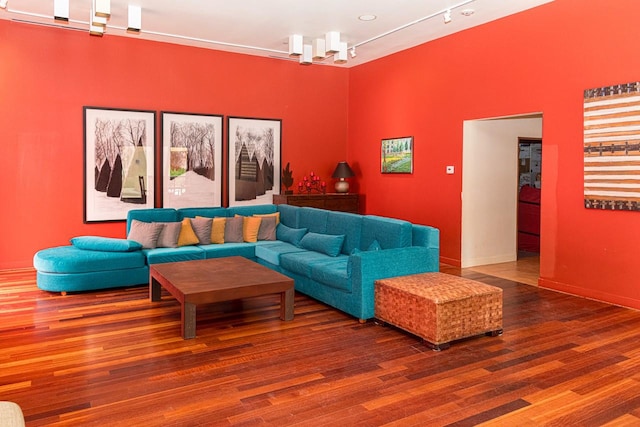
(439, 307)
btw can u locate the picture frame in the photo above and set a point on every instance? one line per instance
(192, 151)
(396, 155)
(254, 147)
(119, 162)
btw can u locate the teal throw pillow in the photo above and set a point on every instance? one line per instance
(290, 235)
(328, 244)
(105, 244)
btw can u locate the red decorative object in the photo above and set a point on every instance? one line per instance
(312, 183)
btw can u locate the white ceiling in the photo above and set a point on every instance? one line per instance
(262, 27)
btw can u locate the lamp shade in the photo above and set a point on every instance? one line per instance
(343, 171)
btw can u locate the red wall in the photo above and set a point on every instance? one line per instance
(540, 60)
(47, 75)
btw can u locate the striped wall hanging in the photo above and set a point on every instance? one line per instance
(612, 147)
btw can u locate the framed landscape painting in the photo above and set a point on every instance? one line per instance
(191, 160)
(254, 160)
(119, 162)
(396, 155)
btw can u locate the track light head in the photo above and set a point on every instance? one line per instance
(447, 16)
(353, 52)
(3, 4)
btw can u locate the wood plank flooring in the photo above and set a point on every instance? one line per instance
(112, 358)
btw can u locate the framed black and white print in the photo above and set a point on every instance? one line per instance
(191, 160)
(119, 156)
(254, 160)
(396, 155)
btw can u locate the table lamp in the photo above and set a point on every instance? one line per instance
(342, 171)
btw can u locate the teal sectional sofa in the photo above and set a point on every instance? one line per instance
(334, 257)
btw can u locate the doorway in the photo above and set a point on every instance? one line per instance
(490, 187)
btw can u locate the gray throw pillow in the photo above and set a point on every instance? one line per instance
(145, 233)
(267, 230)
(233, 230)
(169, 236)
(202, 228)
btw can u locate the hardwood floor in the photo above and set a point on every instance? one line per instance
(525, 270)
(112, 358)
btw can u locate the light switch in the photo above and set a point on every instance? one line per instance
(450, 170)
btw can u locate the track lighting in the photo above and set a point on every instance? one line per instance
(135, 19)
(341, 56)
(61, 10)
(447, 16)
(320, 48)
(332, 42)
(307, 55)
(295, 45)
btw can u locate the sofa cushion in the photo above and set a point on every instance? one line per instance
(313, 219)
(69, 259)
(233, 230)
(275, 215)
(333, 273)
(187, 236)
(327, 244)
(271, 251)
(267, 230)
(389, 232)
(217, 229)
(145, 233)
(251, 210)
(250, 228)
(202, 227)
(243, 249)
(290, 235)
(152, 215)
(301, 262)
(169, 235)
(289, 215)
(348, 224)
(203, 212)
(184, 253)
(108, 244)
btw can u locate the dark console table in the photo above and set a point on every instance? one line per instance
(344, 202)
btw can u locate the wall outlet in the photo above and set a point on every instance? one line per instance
(450, 170)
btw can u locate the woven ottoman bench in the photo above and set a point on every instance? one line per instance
(438, 307)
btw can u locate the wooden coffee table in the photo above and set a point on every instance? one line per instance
(219, 279)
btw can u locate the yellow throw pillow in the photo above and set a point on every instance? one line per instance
(217, 229)
(277, 215)
(250, 227)
(187, 236)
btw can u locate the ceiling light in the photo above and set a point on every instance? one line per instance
(447, 16)
(340, 57)
(332, 39)
(97, 21)
(467, 12)
(135, 19)
(306, 58)
(3, 4)
(102, 8)
(61, 10)
(319, 51)
(367, 17)
(295, 45)
(95, 30)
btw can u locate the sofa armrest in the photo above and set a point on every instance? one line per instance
(367, 267)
